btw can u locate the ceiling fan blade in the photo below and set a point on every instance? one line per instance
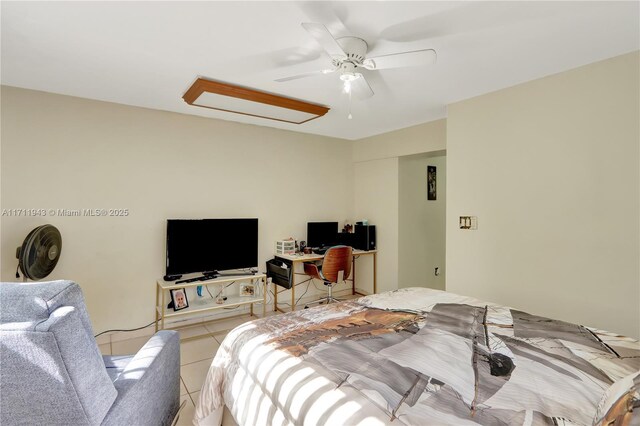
(326, 40)
(398, 60)
(304, 75)
(360, 88)
(332, 14)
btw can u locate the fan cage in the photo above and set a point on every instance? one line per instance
(34, 258)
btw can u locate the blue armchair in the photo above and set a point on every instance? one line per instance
(52, 371)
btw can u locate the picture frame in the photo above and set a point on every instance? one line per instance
(431, 183)
(179, 299)
(248, 290)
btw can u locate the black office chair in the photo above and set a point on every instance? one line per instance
(336, 259)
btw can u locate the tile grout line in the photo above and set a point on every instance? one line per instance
(191, 398)
(187, 389)
(200, 360)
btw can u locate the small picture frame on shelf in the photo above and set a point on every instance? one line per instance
(179, 299)
(247, 290)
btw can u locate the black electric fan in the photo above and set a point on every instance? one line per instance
(40, 252)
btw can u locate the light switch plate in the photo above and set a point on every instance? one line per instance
(468, 222)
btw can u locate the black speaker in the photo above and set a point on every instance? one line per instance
(346, 239)
(365, 237)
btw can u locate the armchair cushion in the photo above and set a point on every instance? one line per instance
(115, 364)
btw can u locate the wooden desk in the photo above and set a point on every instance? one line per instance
(296, 259)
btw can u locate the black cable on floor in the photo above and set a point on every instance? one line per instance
(125, 330)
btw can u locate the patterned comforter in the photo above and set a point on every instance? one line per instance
(417, 356)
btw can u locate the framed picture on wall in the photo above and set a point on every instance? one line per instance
(431, 183)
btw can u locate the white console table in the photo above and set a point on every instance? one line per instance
(206, 304)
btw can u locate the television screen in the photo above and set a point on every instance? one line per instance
(322, 234)
(207, 245)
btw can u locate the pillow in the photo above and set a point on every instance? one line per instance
(620, 404)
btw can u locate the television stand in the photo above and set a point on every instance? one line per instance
(213, 275)
(202, 304)
(192, 280)
(234, 274)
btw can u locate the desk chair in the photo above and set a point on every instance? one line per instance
(336, 259)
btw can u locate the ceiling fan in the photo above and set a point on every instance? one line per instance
(350, 53)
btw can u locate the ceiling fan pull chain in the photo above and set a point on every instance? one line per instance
(349, 116)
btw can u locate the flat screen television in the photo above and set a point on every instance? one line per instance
(322, 234)
(207, 245)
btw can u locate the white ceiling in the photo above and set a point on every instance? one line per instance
(148, 53)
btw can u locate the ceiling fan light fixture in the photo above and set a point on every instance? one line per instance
(349, 76)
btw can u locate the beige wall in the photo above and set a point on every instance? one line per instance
(376, 199)
(376, 187)
(427, 137)
(551, 170)
(64, 152)
(421, 223)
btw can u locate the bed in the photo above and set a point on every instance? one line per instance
(417, 356)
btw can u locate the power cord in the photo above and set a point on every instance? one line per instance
(207, 287)
(125, 330)
(220, 292)
(305, 292)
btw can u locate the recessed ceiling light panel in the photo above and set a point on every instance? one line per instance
(241, 100)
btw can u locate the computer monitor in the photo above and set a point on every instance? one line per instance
(322, 234)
